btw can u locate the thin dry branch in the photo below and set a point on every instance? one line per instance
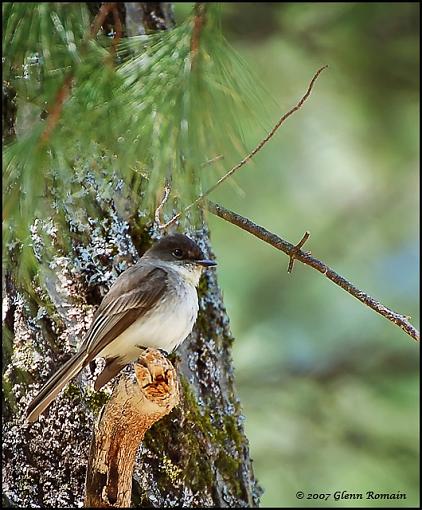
(158, 211)
(212, 160)
(248, 157)
(294, 252)
(132, 409)
(296, 249)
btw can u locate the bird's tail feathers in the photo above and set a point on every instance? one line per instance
(54, 385)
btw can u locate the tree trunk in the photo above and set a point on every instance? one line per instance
(196, 456)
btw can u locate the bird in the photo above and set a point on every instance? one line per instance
(153, 303)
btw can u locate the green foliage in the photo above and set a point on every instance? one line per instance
(158, 109)
(51, 34)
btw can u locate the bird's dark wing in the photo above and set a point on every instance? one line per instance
(135, 292)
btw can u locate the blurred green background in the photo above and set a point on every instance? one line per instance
(329, 388)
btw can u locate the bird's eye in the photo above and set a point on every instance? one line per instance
(178, 253)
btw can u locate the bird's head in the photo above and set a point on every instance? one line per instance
(182, 254)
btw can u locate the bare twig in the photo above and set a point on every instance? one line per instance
(166, 193)
(212, 160)
(306, 258)
(297, 249)
(247, 158)
(132, 409)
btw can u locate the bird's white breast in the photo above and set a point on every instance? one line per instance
(164, 327)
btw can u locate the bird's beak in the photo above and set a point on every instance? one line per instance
(206, 263)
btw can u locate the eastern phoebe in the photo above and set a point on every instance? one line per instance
(152, 304)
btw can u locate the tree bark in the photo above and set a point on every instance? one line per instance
(197, 456)
(8, 113)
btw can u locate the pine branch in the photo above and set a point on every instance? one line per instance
(56, 108)
(198, 23)
(118, 26)
(102, 14)
(249, 156)
(295, 252)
